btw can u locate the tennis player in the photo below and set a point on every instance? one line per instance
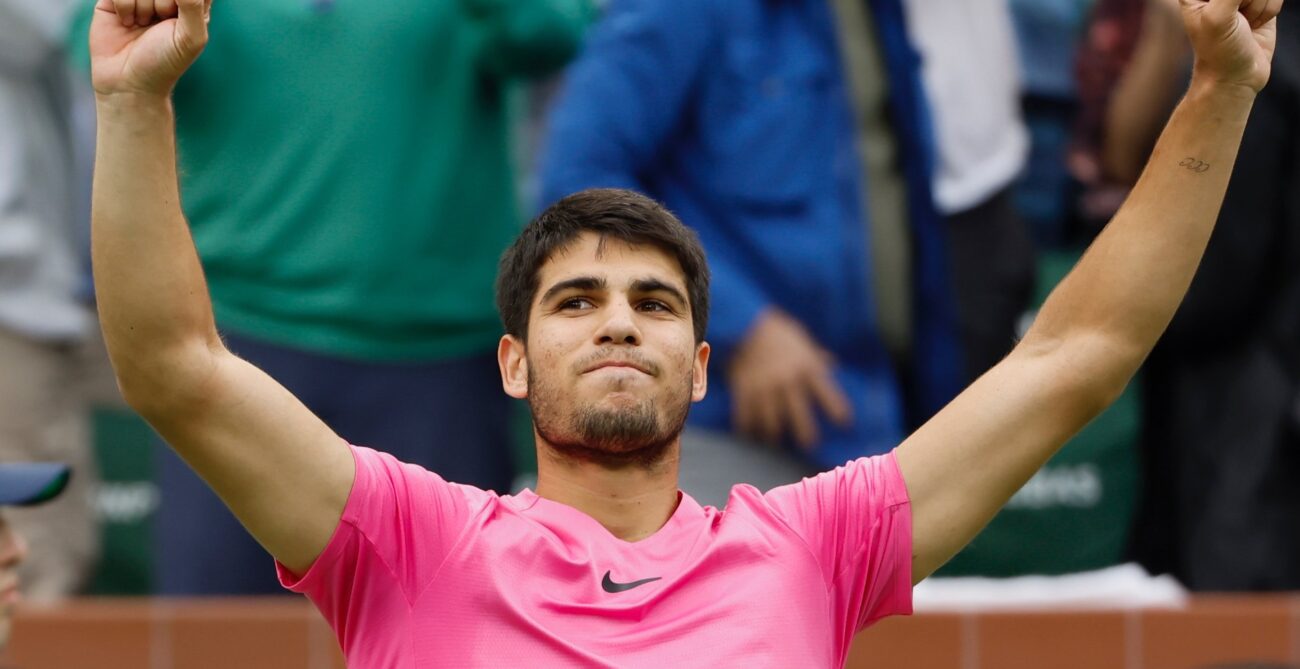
(605, 302)
(21, 484)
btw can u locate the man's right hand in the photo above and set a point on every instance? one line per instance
(779, 378)
(143, 46)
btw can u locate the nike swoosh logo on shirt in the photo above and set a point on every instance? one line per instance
(610, 586)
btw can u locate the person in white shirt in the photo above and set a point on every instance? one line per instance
(972, 79)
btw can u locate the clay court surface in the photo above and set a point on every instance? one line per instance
(1213, 632)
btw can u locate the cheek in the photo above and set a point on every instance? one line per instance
(544, 348)
(684, 356)
(554, 343)
(548, 367)
(551, 363)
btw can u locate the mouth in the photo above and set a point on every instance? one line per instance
(618, 364)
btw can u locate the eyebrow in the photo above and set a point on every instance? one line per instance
(576, 283)
(594, 283)
(657, 286)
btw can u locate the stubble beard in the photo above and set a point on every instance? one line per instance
(611, 438)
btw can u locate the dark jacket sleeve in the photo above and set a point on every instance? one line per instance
(622, 102)
(622, 99)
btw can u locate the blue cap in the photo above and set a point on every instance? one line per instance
(27, 483)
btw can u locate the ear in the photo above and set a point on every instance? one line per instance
(700, 372)
(512, 358)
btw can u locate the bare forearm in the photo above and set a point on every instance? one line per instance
(1124, 291)
(153, 301)
(1088, 340)
(1100, 323)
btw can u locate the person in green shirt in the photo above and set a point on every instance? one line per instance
(346, 168)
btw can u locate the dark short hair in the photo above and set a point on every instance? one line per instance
(610, 212)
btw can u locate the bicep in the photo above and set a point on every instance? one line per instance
(964, 464)
(279, 468)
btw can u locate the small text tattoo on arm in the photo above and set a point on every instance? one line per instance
(1194, 165)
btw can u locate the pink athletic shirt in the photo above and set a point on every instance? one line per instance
(423, 573)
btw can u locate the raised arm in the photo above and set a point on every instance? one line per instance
(1098, 326)
(279, 468)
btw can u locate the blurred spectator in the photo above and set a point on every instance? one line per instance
(52, 363)
(1048, 33)
(1222, 436)
(1135, 63)
(25, 484)
(793, 137)
(973, 82)
(347, 172)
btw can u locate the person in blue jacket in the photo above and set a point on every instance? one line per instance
(739, 116)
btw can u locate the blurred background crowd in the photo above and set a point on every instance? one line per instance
(885, 189)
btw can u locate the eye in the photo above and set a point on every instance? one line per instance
(575, 303)
(654, 306)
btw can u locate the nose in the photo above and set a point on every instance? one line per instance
(619, 326)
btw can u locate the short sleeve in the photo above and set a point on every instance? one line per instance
(856, 520)
(399, 524)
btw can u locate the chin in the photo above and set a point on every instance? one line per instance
(623, 400)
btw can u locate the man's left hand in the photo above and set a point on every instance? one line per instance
(1233, 39)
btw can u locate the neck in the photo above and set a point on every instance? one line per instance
(632, 502)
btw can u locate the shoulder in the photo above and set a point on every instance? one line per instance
(863, 485)
(409, 484)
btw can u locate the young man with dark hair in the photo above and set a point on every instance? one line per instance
(21, 484)
(607, 563)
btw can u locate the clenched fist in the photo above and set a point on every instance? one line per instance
(143, 46)
(1233, 39)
